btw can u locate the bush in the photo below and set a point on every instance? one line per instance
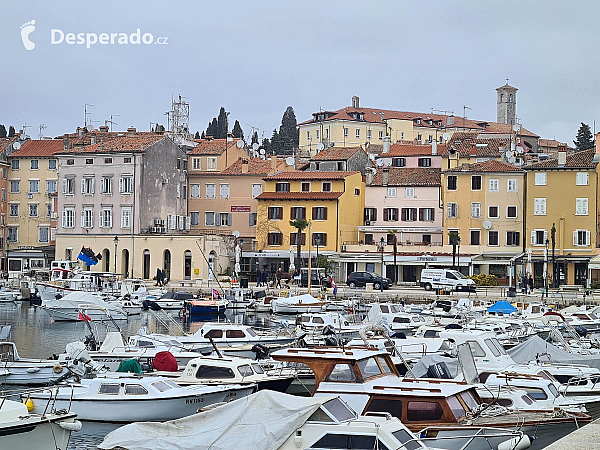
(483, 279)
(595, 285)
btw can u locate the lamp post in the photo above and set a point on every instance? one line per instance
(317, 243)
(116, 241)
(546, 267)
(382, 245)
(458, 255)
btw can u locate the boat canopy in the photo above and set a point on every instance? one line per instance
(503, 307)
(536, 347)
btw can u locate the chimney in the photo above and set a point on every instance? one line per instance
(103, 128)
(369, 177)
(274, 162)
(355, 102)
(80, 131)
(385, 176)
(66, 143)
(562, 159)
(131, 131)
(244, 165)
(386, 144)
(450, 121)
(92, 139)
(229, 137)
(434, 148)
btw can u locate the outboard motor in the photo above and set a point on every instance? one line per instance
(261, 351)
(90, 343)
(439, 370)
(328, 330)
(331, 341)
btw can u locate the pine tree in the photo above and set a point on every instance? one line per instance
(197, 135)
(2, 131)
(254, 138)
(289, 127)
(11, 131)
(237, 130)
(585, 140)
(276, 144)
(202, 136)
(222, 126)
(266, 144)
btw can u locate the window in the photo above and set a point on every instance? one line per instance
(357, 133)
(70, 162)
(171, 222)
(135, 389)
(369, 134)
(494, 185)
(493, 212)
(125, 217)
(275, 212)
(512, 238)
(224, 219)
(224, 190)
(127, 160)
(408, 214)
(354, 441)
(476, 210)
(109, 389)
(341, 372)
(539, 207)
(318, 134)
(426, 214)
(540, 179)
(582, 179)
(326, 133)
(14, 165)
(87, 217)
(476, 182)
(195, 190)
(581, 207)
(409, 192)
(326, 187)
(275, 238)
(34, 164)
(345, 132)
(211, 163)
(391, 192)
(252, 218)
(475, 237)
(51, 186)
(44, 234)
(381, 135)
(308, 135)
(451, 210)
(370, 214)
(297, 212)
(305, 186)
(424, 162)
(195, 218)
(89, 161)
(87, 185)
(14, 186)
(493, 238)
(68, 218)
(451, 182)
(33, 210)
(107, 160)
(511, 212)
(14, 209)
(294, 238)
(106, 185)
(319, 213)
(581, 238)
(282, 187)
(106, 218)
(369, 367)
(512, 185)
(13, 234)
(34, 186)
(256, 190)
(538, 237)
(126, 185)
(209, 219)
(210, 190)
(196, 163)
(178, 163)
(3, 194)
(399, 162)
(69, 186)
(51, 164)
(424, 412)
(356, 192)
(419, 137)
(390, 214)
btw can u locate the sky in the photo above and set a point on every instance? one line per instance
(255, 58)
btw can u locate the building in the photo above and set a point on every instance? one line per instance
(469, 148)
(507, 104)
(410, 155)
(351, 159)
(6, 147)
(214, 155)
(330, 201)
(551, 147)
(32, 202)
(562, 196)
(484, 205)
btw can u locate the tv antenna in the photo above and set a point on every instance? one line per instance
(42, 128)
(25, 126)
(111, 121)
(180, 117)
(86, 114)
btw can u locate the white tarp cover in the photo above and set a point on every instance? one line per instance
(260, 421)
(306, 299)
(423, 364)
(527, 351)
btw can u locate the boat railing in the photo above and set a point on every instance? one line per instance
(576, 381)
(482, 433)
(50, 406)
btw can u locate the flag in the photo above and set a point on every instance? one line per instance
(84, 317)
(87, 256)
(215, 294)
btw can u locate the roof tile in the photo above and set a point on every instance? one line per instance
(492, 165)
(256, 166)
(41, 148)
(578, 160)
(404, 176)
(211, 147)
(310, 175)
(336, 153)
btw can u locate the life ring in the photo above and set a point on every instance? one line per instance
(58, 368)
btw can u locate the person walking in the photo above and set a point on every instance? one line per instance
(530, 282)
(279, 275)
(258, 276)
(524, 282)
(265, 278)
(158, 276)
(163, 278)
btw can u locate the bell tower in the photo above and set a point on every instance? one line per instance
(507, 104)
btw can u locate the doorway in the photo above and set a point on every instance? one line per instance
(187, 265)
(167, 263)
(409, 274)
(106, 259)
(146, 264)
(125, 262)
(581, 274)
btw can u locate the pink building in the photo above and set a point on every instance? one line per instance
(411, 155)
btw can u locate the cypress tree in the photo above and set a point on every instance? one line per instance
(2, 131)
(254, 138)
(202, 136)
(197, 135)
(222, 127)
(237, 130)
(11, 131)
(584, 140)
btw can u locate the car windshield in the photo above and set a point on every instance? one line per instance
(459, 275)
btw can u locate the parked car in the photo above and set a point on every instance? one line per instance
(360, 279)
(318, 277)
(445, 279)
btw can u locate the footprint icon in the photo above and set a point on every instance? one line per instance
(26, 30)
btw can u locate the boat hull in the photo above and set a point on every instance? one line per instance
(26, 374)
(36, 434)
(72, 314)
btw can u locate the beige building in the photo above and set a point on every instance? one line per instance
(214, 155)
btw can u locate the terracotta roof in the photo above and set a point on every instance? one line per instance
(5, 142)
(473, 144)
(136, 143)
(45, 147)
(310, 175)
(299, 195)
(211, 147)
(553, 143)
(256, 166)
(336, 153)
(410, 150)
(507, 86)
(505, 128)
(96, 136)
(577, 160)
(492, 165)
(404, 176)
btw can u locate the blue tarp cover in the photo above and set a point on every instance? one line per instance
(502, 306)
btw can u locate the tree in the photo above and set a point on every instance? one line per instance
(289, 129)
(266, 144)
(254, 138)
(222, 126)
(202, 136)
(211, 130)
(2, 131)
(197, 135)
(299, 225)
(237, 130)
(11, 131)
(276, 143)
(585, 140)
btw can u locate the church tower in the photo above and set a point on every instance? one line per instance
(507, 104)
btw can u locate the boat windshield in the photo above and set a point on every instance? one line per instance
(251, 332)
(369, 368)
(457, 408)
(257, 368)
(408, 442)
(339, 410)
(162, 386)
(384, 365)
(341, 372)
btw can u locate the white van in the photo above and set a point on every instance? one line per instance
(445, 279)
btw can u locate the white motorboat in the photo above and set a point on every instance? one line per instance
(7, 295)
(131, 307)
(73, 305)
(117, 397)
(21, 429)
(298, 304)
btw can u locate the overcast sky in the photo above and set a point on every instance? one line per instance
(257, 57)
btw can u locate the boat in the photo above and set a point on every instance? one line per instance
(207, 306)
(80, 304)
(304, 303)
(130, 307)
(172, 300)
(122, 397)
(239, 298)
(21, 429)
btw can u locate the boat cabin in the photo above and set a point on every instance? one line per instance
(226, 331)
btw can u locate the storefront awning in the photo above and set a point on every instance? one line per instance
(26, 254)
(594, 262)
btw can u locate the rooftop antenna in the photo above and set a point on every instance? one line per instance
(180, 117)
(465, 107)
(168, 114)
(25, 126)
(111, 121)
(42, 128)
(152, 123)
(86, 113)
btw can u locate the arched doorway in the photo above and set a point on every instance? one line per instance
(167, 263)
(125, 262)
(106, 260)
(146, 264)
(187, 265)
(211, 265)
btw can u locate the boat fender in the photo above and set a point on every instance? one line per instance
(516, 443)
(29, 404)
(70, 426)
(33, 370)
(58, 368)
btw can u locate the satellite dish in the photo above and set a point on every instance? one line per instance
(90, 127)
(289, 160)
(320, 146)
(239, 143)
(446, 136)
(236, 234)
(262, 151)
(16, 145)
(511, 159)
(508, 154)
(487, 224)
(380, 162)
(516, 127)
(255, 146)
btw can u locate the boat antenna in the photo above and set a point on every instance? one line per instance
(210, 268)
(214, 346)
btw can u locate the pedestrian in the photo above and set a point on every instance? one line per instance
(258, 276)
(158, 276)
(530, 282)
(163, 278)
(524, 282)
(279, 276)
(264, 278)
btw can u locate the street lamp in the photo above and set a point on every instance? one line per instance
(382, 245)
(546, 267)
(116, 241)
(458, 255)
(317, 242)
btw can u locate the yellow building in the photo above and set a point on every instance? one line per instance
(484, 204)
(331, 201)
